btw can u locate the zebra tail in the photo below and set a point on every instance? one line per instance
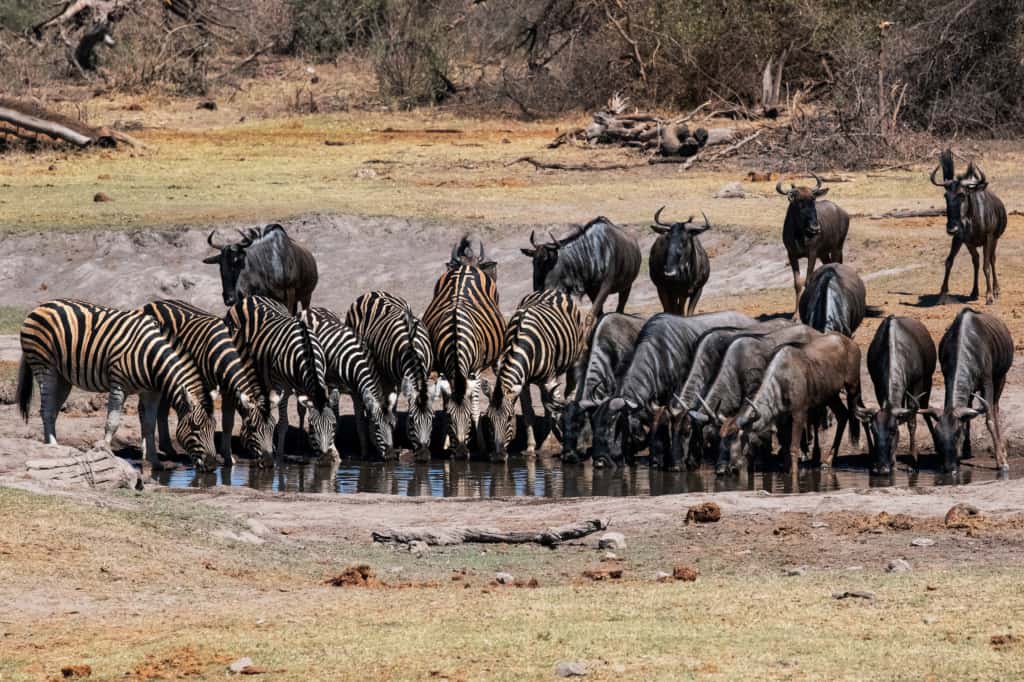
(25, 383)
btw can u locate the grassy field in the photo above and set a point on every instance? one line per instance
(155, 593)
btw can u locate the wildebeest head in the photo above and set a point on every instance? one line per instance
(619, 430)
(802, 207)
(948, 430)
(574, 420)
(680, 243)
(231, 260)
(545, 257)
(690, 427)
(882, 425)
(464, 253)
(736, 437)
(955, 189)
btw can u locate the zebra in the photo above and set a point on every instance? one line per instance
(67, 342)
(544, 339)
(351, 370)
(466, 330)
(208, 340)
(288, 358)
(400, 347)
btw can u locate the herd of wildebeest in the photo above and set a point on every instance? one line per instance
(684, 387)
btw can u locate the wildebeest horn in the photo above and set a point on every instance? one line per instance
(916, 399)
(984, 403)
(757, 413)
(932, 177)
(657, 218)
(817, 181)
(209, 240)
(554, 239)
(533, 242)
(707, 408)
(778, 188)
(481, 251)
(705, 227)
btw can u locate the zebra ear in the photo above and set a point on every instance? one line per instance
(392, 400)
(305, 401)
(516, 390)
(214, 395)
(275, 399)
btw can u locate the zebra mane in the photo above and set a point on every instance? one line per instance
(411, 325)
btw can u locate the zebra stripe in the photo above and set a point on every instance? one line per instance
(350, 370)
(69, 343)
(208, 340)
(544, 340)
(466, 330)
(288, 358)
(399, 346)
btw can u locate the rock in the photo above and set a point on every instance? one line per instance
(66, 466)
(929, 620)
(963, 516)
(922, 542)
(209, 105)
(504, 578)
(72, 671)
(570, 669)
(610, 556)
(755, 176)
(763, 493)
(365, 173)
(663, 577)
(238, 667)
(898, 566)
(685, 573)
(603, 572)
(418, 547)
(706, 512)
(256, 527)
(819, 524)
(855, 594)
(732, 190)
(100, 197)
(795, 572)
(612, 540)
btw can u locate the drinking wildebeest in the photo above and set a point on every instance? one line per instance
(267, 262)
(834, 300)
(470, 251)
(598, 260)
(901, 360)
(679, 265)
(974, 217)
(799, 380)
(543, 341)
(597, 376)
(738, 378)
(813, 230)
(975, 353)
(660, 363)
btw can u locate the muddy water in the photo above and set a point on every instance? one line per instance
(545, 476)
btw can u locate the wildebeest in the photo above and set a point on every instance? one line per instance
(834, 300)
(469, 250)
(543, 341)
(267, 262)
(901, 360)
(660, 363)
(679, 265)
(975, 217)
(597, 375)
(813, 230)
(975, 354)
(800, 379)
(598, 260)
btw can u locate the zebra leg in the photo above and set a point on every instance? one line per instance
(281, 430)
(51, 387)
(954, 249)
(549, 399)
(115, 403)
(149, 408)
(474, 413)
(694, 297)
(227, 425)
(301, 409)
(162, 412)
(361, 430)
(526, 401)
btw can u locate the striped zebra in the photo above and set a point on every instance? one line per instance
(466, 330)
(544, 340)
(400, 347)
(288, 358)
(68, 343)
(350, 370)
(208, 340)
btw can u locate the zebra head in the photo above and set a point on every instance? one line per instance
(259, 420)
(195, 430)
(459, 407)
(383, 419)
(420, 424)
(322, 423)
(501, 416)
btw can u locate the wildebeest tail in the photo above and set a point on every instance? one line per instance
(946, 161)
(25, 384)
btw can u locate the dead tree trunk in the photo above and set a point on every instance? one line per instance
(455, 536)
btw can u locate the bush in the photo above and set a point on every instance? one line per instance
(325, 29)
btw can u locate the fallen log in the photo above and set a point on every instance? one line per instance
(550, 537)
(687, 163)
(905, 213)
(97, 468)
(542, 165)
(44, 127)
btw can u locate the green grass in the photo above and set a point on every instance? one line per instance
(11, 318)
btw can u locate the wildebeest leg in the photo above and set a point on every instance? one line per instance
(975, 263)
(798, 284)
(989, 267)
(954, 248)
(694, 297)
(995, 278)
(912, 432)
(597, 309)
(796, 429)
(842, 417)
(967, 452)
(623, 297)
(667, 300)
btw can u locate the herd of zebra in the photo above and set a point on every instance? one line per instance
(681, 386)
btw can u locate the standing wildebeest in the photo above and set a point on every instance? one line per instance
(597, 375)
(834, 300)
(466, 329)
(543, 341)
(901, 360)
(267, 262)
(470, 251)
(813, 230)
(400, 348)
(679, 265)
(660, 364)
(975, 217)
(598, 260)
(976, 353)
(799, 380)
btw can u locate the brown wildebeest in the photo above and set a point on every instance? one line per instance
(679, 265)
(813, 230)
(976, 218)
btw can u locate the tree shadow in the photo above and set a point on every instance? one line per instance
(932, 300)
